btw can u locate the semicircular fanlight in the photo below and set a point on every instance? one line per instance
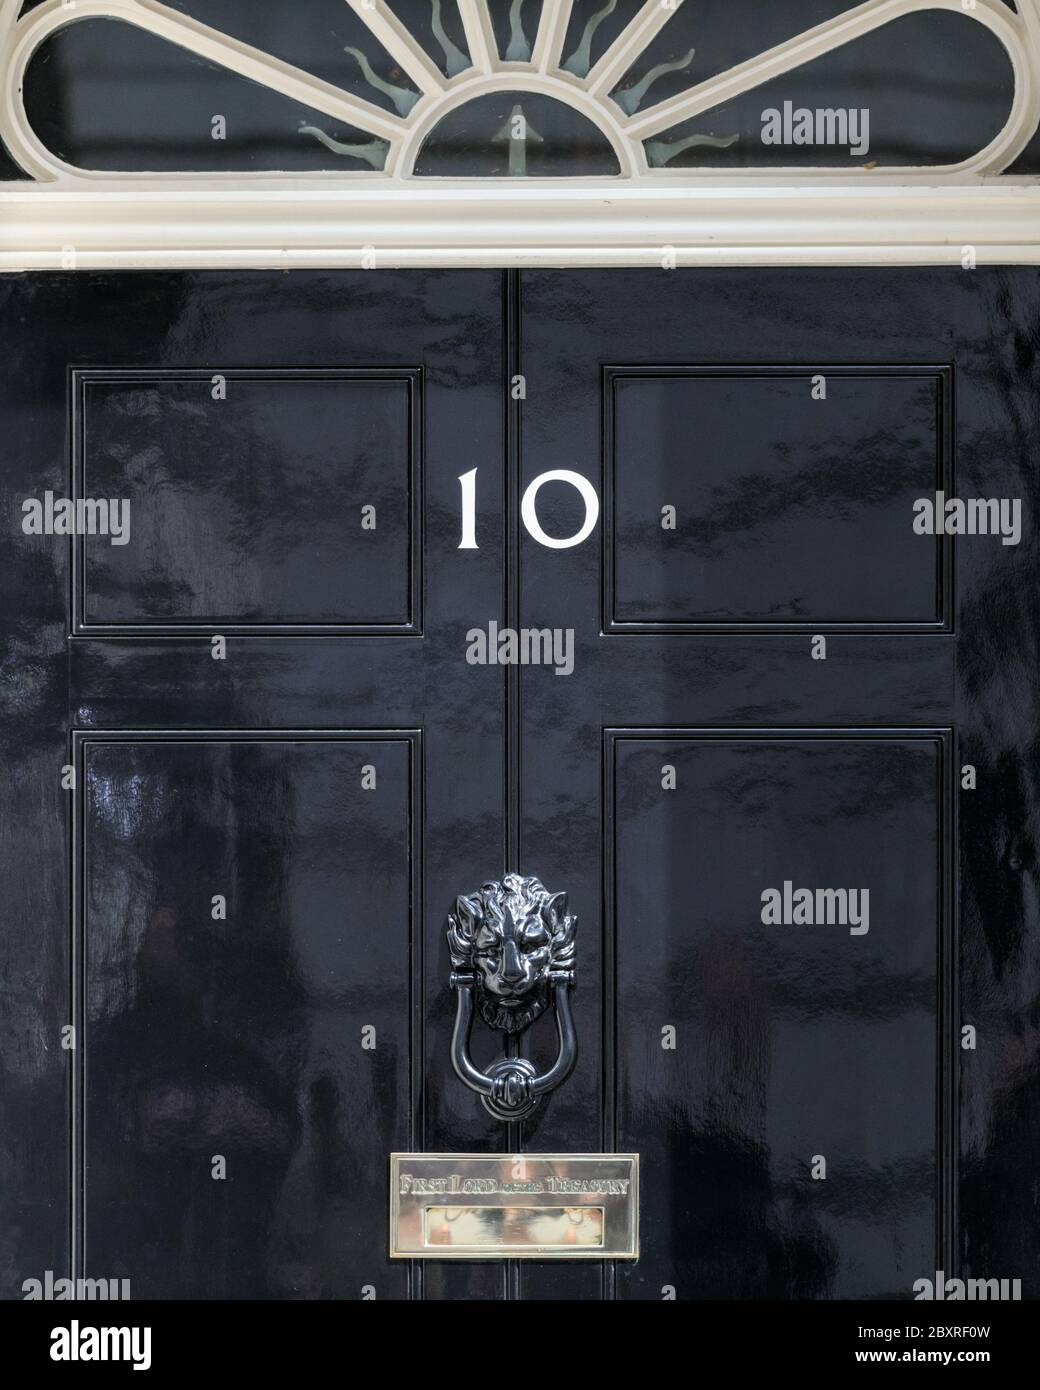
(516, 134)
(593, 87)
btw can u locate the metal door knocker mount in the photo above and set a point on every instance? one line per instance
(512, 953)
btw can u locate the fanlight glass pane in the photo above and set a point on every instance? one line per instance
(705, 38)
(8, 168)
(438, 27)
(1028, 162)
(593, 27)
(930, 88)
(106, 95)
(516, 24)
(323, 37)
(516, 134)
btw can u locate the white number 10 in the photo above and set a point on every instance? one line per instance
(528, 509)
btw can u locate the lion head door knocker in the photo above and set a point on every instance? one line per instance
(512, 952)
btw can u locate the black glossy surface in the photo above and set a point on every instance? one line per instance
(275, 537)
(243, 1037)
(783, 502)
(876, 1038)
(791, 1041)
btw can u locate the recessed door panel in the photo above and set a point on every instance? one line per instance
(778, 928)
(248, 947)
(259, 502)
(730, 501)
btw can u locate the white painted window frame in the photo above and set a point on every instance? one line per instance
(73, 218)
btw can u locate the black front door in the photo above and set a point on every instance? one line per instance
(388, 585)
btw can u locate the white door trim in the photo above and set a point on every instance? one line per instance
(64, 217)
(482, 225)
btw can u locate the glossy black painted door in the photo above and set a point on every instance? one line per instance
(811, 1120)
(240, 905)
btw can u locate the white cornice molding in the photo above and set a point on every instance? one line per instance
(86, 219)
(282, 225)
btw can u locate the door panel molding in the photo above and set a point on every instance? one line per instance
(152, 461)
(330, 1005)
(720, 510)
(946, 1129)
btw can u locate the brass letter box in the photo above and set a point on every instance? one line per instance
(514, 1206)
